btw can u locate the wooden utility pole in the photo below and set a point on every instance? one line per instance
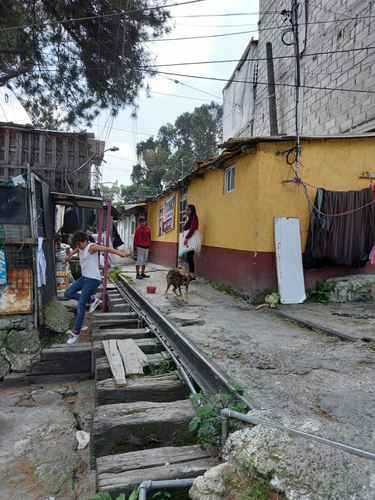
(271, 91)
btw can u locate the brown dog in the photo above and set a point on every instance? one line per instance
(177, 278)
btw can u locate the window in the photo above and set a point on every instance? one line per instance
(161, 221)
(230, 180)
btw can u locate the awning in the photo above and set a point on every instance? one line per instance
(77, 200)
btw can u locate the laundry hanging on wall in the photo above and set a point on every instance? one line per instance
(3, 262)
(345, 238)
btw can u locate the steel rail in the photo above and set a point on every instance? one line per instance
(206, 375)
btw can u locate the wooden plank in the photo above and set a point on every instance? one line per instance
(103, 371)
(133, 358)
(162, 388)
(148, 346)
(122, 473)
(124, 427)
(120, 333)
(115, 361)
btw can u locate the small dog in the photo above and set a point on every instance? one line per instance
(177, 278)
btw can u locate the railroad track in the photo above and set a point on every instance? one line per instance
(141, 431)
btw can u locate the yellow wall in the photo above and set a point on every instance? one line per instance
(228, 220)
(331, 164)
(244, 219)
(153, 220)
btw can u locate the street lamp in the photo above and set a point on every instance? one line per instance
(113, 149)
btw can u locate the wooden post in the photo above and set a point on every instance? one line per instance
(271, 91)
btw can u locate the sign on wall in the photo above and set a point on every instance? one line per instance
(169, 214)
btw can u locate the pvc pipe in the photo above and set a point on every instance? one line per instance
(227, 413)
(160, 485)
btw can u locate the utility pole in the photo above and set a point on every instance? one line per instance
(271, 91)
(292, 14)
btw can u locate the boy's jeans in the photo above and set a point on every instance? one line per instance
(88, 287)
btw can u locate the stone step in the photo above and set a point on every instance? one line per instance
(103, 371)
(123, 473)
(131, 322)
(163, 388)
(99, 317)
(124, 427)
(148, 346)
(64, 359)
(120, 333)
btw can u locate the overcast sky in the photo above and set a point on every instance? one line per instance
(159, 109)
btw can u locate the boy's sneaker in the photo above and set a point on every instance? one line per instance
(139, 277)
(95, 305)
(73, 337)
(143, 275)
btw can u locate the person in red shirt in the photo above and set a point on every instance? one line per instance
(191, 225)
(142, 242)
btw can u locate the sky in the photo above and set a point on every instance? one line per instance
(157, 110)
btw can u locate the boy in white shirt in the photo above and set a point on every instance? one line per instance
(90, 279)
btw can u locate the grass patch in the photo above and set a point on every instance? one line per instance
(321, 292)
(221, 287)
(49, 338)
(165, 366)
(207, 422)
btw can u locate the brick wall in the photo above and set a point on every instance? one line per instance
(323, 112)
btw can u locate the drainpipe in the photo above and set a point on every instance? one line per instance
(160, 485)
(226, 413)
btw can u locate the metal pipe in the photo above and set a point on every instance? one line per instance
(160, 485)
(228, 413)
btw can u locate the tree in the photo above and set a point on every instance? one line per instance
(173, 153)
(69, 59)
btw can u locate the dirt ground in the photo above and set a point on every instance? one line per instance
(39, 459)
(293, 374)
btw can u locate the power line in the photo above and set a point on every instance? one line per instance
(101, 16)
(230, 14)
(199, 37)
(191, 87)
(181, 96)
(223, 61)
(312, 87)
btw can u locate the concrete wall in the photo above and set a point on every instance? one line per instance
(322, 111)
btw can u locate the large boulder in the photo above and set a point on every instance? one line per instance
(57, 317)
(298, 467)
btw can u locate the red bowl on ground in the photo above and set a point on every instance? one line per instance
(151, 289)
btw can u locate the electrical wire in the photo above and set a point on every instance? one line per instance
(99, 16)
(291, 85)
(225, 61)
(191, 87)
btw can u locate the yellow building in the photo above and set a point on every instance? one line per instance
(239, 193)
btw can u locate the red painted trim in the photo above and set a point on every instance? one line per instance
(164, 253)
(252, 272)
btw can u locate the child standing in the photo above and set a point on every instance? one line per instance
(90, 280)
(142, 242)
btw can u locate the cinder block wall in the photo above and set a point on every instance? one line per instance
(324, 112)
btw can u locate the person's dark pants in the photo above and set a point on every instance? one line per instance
(190, 261)
(88, 287)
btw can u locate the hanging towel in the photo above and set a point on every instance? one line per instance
(41, 264)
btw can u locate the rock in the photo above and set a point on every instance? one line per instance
(357, 288)
(20, 362)
(4, 366)
(23, 341)
(83, 439)
(43, 397)
(297, 467)
(3, 337)
(211, 486)
(57, 317)
(16, 322)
